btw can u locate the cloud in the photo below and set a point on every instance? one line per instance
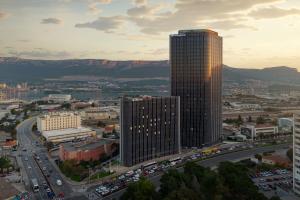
(191, 13)
(106, 24)
(140, 2)
(273, 12)
(3, 15)
(228, 25)
(144, 11)
(104, 1)
(40, 53)
(51, 21)
(94, 9)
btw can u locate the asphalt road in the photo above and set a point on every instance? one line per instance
(212, 162)
(32, 167)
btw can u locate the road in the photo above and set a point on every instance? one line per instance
(213, 162)
(32, 167)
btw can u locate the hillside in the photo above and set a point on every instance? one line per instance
(26, 69)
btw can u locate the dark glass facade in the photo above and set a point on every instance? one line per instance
(150, 128)
(196, 77)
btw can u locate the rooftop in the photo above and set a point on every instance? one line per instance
(67, 131)
(188, 31)
(83, 146)
(58, 114)
(143, 97)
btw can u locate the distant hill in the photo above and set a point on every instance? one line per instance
(25, 69)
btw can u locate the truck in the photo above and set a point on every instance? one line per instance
(35, 185)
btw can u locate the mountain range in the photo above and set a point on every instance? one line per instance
(26, 69)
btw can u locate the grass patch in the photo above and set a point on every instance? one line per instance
(100, 175)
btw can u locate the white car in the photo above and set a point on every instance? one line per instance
(58, 182)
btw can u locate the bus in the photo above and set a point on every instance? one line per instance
(35, 185)
(149, 165)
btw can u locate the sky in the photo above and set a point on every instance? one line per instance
(256, 33)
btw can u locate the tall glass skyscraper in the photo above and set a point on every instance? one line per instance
(196, 76)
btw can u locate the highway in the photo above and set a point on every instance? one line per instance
(213, 162)
(30, 145)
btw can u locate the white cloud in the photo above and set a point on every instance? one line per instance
(140, 2)
(93, 8)
(273, 12)
(191, 13)
(104, 1)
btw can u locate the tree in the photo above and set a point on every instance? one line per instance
(249, 119)
(258, 157)
(101, 124)
(240, 120)
(275, 198)
(141, 190)
(182, 194)
(289, 154)
(170, 181)
(66, 106)
(49, 145)
(260, 120)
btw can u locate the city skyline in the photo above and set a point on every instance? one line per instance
(138, 30)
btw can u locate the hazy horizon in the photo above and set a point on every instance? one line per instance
(256, 33)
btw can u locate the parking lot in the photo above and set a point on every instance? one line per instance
(278, 182)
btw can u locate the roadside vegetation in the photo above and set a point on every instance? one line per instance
(5, 164)
(79, 171)
(72, 170)
(100, 175)
(230, 181)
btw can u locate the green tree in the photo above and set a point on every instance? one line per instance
(101, 124)
(141, 190)
(183, 193)
(260, 120)
(249, 119)
(170, 181)
(258, 157)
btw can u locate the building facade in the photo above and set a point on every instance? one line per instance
(86, 151)
(58, 120)
(150, 128)
(253, 130)
(296, 154)
(196, 77)
(59, 97)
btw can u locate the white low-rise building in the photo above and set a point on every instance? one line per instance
(64, 135)
(252, 130)
(59, 97)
